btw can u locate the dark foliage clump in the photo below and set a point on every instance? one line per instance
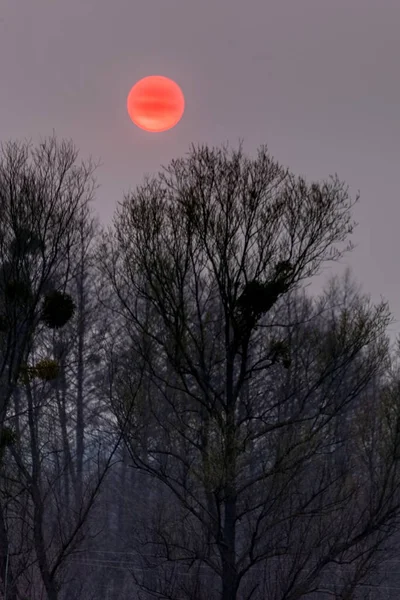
(47, 369)
(26, 242)
(58, 309)
(4, 324)
(258, 298)
(279, 352)
(7, 437)
(18, 291)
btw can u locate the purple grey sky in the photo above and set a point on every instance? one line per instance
(315, 80)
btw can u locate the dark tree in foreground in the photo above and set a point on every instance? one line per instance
(43, 189)
(237, 389)
(45, 194)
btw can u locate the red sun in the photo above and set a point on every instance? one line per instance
(156, 103)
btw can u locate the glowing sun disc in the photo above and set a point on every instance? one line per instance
(155, 103)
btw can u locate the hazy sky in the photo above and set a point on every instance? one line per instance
(315, 80)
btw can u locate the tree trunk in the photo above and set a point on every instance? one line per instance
(4, 567)
(227, 545)
(119, 575)
(80, 424)
(40, 546)
(40, 543)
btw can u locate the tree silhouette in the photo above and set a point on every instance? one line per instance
(241, 397)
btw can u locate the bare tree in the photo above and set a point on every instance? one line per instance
(42, 191)
(48, 486)
(242, 394)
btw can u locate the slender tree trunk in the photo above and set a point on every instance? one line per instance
(38, 521)
(119, 576)
(205, 441)
(17, 407)
(40, 546)
(227, 544)
(80, 424)
(68, 467)
(5, 566)
(6, 569)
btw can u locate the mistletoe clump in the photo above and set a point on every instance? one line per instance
(26, 242)
(7, 437)
(280, 353)
(15, 285)
(58, 308)
(17, 291)
(4, 326)
(257, 298)
(46, 369)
